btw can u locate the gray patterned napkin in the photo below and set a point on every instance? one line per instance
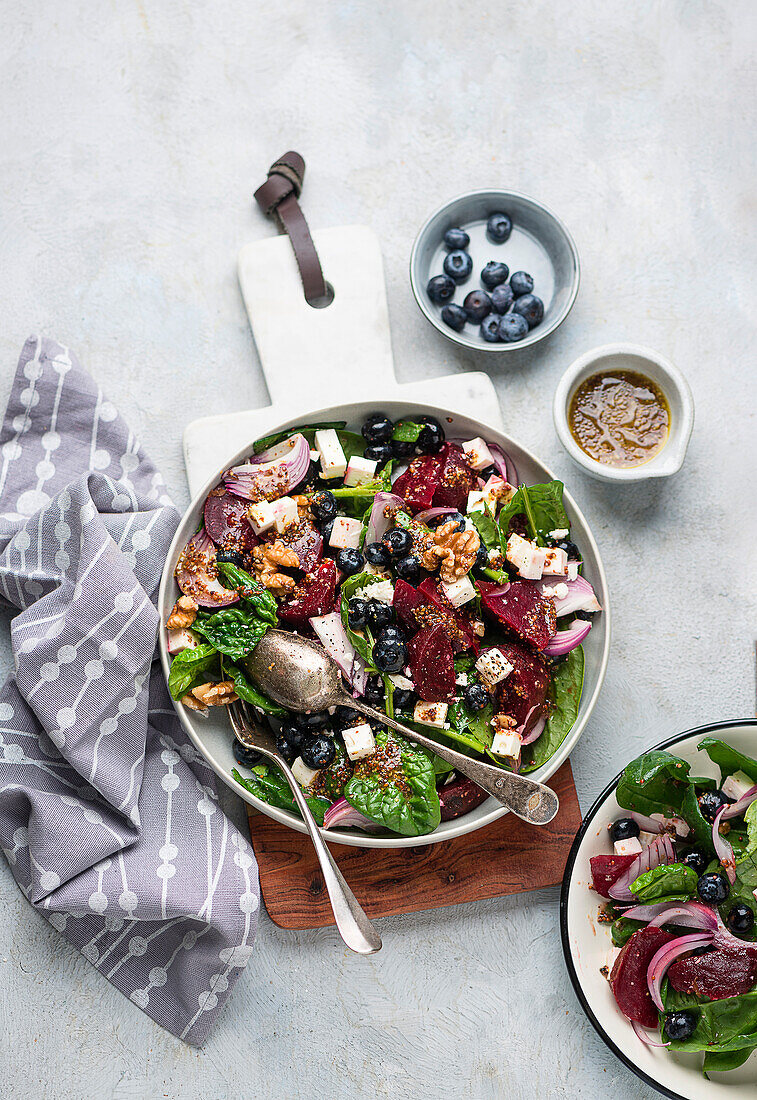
(109, 817)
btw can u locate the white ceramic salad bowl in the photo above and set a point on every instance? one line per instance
(587, 943)
(212, 735)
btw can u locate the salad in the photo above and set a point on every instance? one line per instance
(681, 886)
(449, 594)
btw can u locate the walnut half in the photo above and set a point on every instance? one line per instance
(215, 695)
(454, 550)
(267, 559)
(183, 614)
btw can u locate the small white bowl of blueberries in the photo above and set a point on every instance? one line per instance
(494, 270)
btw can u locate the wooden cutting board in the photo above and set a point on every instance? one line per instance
(507, 857)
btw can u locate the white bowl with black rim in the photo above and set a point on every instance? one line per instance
(212, 735)
(587, 943)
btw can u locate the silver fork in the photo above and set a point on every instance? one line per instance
(353, 925)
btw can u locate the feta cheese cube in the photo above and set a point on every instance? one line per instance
(302, 773)
(462, 679)
(561, 590)
(506, 744)
(181, 639)
(475, 501)
(526, 556)
(555, 563)
(261, 516)
(285, 513)
(430, 714)
(737, 785)
(460, 591)
(359, 741)
(559, 533)
(498, 491)
(493, 667)
(333, 460)
(630, 847)
(375, 570)
(383, 591)
(314, 455)
(359, 470)
(402, 683)
(345, 533)
(573, 570)
(477, 454)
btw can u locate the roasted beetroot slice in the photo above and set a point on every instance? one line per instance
(723, 973)
(419, 482)
(456, 479)
(432, 664)
(629, 975)
(521, 609)
(226, 523)
(314, 596)
(462, 635)
(406, 601)
(606, 870)
(460, 797)
(525, 689)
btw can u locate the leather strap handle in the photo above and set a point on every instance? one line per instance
(277, 198)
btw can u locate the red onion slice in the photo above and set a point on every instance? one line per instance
(667, 955)
(688, 914)
(273, 473)
(535, 732)
(431, 513)
(385, 507)
(501, 591)
(580, 597)
(333, 637)
(644, 1035)
(196, 573)
(648, 824)
(504, 464)
(566, 640)
(738, 808)
(342, 813)
(659, 852)
(723, 849)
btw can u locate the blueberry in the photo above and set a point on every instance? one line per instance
(398, 542)
(490, 329)
(458, 265)
(295, 735)
(231, 557)
(499, 227)
(402, 448)
(570, 548)
(323, 506)
(475, 696)
(243, 755)
(390, 656)
(455, 239)
(512, 328)
(530, 307)
(740, 919)
(315, 720)
(319, 752)
(350, 561)
(377, 554)
(379, 614)
(309, 480)
(432, 436)
(391, 633)
(374, 691)
(409, 569)
(623, 829)
(713, 887)
(494, 274)
(477, 305)
(710, 803)
(585, 616)
(455, 317)
(696, 859)
(521, 283)
(285, 747)
(325, 529)
(344, 717)
(502, 298)
(377, 428)
(403, 699)
(482, 560)
(680, 1025)
(379, 452)
(440, 289)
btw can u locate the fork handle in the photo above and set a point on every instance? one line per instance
(354, 927)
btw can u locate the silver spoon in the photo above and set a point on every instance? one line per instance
(353, 925)
(298, 674)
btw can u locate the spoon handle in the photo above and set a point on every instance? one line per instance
(354, 927)
(527, 799)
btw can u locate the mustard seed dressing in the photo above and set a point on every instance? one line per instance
(619, 418)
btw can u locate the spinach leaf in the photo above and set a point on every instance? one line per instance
(465, 726)
(622, 930)
(565, 697)
(655, 782)
(541, 505)
(726, 1025)
(246, 691)
(407, 803)
(728, 759)
(380, 483)
(361, 643)
(486, 526)
(272, 787)
(720, 1061)
(671, 882)
(251, 590)
(692, 815)
(187, 666)
(407, 431)
(742, 890)
(308, 430)
(232, 631)
(671, 998)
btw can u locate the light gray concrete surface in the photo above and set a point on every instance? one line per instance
(131, 137)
